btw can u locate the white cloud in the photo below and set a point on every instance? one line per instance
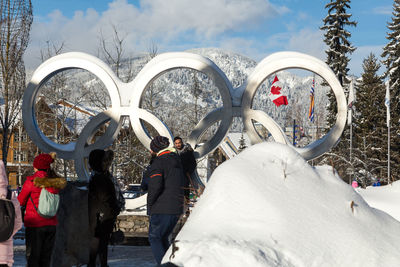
(304, 40)
(282, 9)
(207, 18)
(78, 34)
(170, 23)
(309, 42)
(383, 10)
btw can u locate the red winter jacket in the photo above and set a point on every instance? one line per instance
(32, 188)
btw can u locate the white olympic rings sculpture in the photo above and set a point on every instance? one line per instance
(126, 100)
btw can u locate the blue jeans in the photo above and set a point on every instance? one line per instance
(161, 226)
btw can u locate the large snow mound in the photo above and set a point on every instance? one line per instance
(269, 207)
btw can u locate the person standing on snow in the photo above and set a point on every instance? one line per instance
(189, 164)
(40, 232)
(165, 195)
(105, 203)
(6, 247)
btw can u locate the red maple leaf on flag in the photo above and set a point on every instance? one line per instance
(275, 90)
(275, 94)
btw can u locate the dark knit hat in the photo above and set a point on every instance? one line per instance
(100, 160)
(43, 161)
(159, 143)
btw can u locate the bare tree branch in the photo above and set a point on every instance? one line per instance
(15, 23)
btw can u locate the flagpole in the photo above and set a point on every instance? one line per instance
(350, 123)
(387, 104)
(388, 153)
(351, 149)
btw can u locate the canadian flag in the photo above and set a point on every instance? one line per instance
(275, 94)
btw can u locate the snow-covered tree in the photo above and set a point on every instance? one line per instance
(339, 46)
(391, 55)
(339, 49)
(242, 143)
(369, 130)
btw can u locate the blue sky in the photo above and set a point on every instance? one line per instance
(254, 28)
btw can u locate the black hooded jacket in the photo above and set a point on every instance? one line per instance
(188, 160)
(102, 197)
(165, 188)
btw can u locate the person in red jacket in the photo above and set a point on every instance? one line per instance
(39, 231)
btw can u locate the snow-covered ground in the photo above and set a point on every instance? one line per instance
(386, 198)
(118, 256)
(269, 207)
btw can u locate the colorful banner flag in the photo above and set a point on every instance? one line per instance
(387, 104)
(312, 99)
(275, 93)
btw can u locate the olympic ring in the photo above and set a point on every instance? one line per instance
(169, 61)
(126, 100)
(285, 60)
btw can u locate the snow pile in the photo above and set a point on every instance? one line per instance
(386, 198)
(268, 207)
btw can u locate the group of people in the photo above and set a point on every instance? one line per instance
(105, 201)
(167, 180)
(39, 231)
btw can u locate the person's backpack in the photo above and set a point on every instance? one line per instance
(7, 217)
(48, 204)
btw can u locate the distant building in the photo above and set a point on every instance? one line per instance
(19, 158)
(56, 126)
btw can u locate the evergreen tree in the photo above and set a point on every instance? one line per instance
(391, 54)
(242, 143)
(370, 132)
(339, 48)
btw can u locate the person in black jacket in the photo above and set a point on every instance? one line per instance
(189, 164)
(165, 195)
(105, 203)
